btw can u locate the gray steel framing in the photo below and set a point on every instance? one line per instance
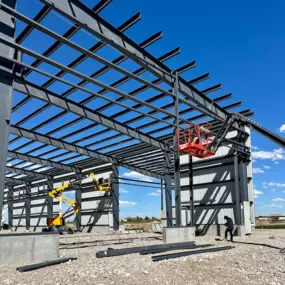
(115, 197)
(8, 32)
(132, 143)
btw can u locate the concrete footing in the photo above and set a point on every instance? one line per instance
(28, 247)
(178, 234)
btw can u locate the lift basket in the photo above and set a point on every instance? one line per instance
(196, 140)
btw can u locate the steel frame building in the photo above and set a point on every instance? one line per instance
(145, 142)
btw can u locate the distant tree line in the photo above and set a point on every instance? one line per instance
(139, 219)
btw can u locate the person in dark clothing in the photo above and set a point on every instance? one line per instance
(230, 227)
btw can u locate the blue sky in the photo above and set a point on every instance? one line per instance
(240, 43)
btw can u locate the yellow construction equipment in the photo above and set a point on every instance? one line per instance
(99, 185)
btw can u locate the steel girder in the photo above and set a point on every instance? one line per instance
(64, 103)
(32, 174)
(78, 13)
(38, 160)
(8, 32)
(74, 148)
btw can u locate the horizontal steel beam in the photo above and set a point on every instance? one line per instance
(187, 253)
(74, 148)
(30, 173)
(37, 160)
(81, 49)
(31, 89)
(123, 251)
(78, 13)
(68, 34)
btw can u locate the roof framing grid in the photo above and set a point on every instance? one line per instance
(78, 13)
(99, 148)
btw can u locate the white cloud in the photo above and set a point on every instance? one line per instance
(257, 170)
(257, 192)
(273, 205)
(139, 176)
(266, 166)
(156, 193)
(276, 154)
(272, 184)
(282, 129)
(127, 203)
(276, 162)
(255, 196)
(255, 147)
(122, 190)
(278, 200)
(273, 190)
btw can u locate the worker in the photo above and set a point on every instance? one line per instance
(230, 227)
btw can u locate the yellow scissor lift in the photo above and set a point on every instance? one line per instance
(59, 221)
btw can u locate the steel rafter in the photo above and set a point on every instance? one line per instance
(74, 148)
(78, 13)
(37, 160)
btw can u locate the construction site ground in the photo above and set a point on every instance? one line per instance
(245, 264)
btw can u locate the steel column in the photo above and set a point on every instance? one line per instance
(49, 199)
(176, 154)
(28, 205)
(237, 190)
(191, 190)
(161, 194)
(7, 31)
(10, 206)
(78, 199)
(168, 188)
(115, 196)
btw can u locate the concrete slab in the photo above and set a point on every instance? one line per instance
(28, 248)
(178, 234)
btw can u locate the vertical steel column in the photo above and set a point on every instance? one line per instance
(161, 194)
(176, 154)
(168, 188)
(50, 199)
(115, 195)
(7, 31)
(78, 199)
(243, 178)
(10, 206)
(28, 205)
(237, 190)
(191, 190)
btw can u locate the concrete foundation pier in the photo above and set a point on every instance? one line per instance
(178, 234)
(24, 248)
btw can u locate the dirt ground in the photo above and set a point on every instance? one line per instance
(245, 264)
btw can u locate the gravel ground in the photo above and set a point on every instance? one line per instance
(245, 264)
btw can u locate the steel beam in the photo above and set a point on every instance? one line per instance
(115, 197)
(168, 188)
(74, 148)
(7, 31)
(10, 206)
(78, 199)
(187, 253)
(237, 191)
(176, 154)
(32, 174)
(123, 251)
(37, 92)
(93, 23)
(74, 63)
(38, 160)
(161, 194)
(191, 190)
(28, 205)
(81, 49)
(68, 34)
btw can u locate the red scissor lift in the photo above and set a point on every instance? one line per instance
(196, 140)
